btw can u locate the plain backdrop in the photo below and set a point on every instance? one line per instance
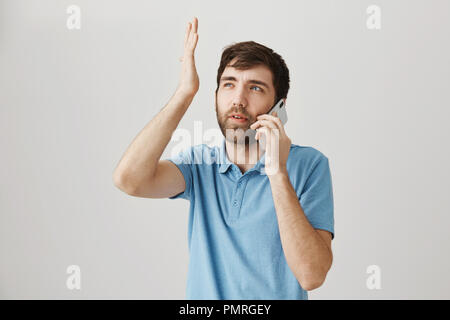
(375, 102)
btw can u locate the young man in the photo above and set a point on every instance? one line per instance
(257, 229)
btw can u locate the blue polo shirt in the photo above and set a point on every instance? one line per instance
(233, 236)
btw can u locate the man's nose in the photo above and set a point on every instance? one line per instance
(239, 100)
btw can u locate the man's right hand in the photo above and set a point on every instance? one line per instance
(189, 81)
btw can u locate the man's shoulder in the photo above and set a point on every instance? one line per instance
(305, 153)
(303, 159)
(302, 162)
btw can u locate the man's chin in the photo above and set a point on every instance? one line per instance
(238, 136)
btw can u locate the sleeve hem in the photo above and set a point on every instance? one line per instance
(184, 171)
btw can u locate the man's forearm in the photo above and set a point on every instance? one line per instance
(306, 252)
(140, 160)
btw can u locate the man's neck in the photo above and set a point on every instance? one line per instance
(242, 155)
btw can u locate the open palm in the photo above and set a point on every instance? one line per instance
(189, 81)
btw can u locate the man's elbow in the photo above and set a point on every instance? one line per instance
(311, 284)
(316, 277)
(120, 182)
(313, 280)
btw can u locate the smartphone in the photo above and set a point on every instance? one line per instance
(281, 111)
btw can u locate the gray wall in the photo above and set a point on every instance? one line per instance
(375, 102)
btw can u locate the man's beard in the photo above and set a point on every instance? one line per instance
(237, 132)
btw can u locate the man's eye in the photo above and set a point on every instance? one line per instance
(259, 89)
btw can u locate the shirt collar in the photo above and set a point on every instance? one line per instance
(225, 163)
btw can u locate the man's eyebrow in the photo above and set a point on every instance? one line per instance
(262, 83)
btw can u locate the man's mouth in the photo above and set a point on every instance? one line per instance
(238, 118)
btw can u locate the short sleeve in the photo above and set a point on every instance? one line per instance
(183, 161)
(316, 198)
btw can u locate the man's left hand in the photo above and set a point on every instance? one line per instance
(277, 143)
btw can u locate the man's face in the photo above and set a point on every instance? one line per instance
(245, 92)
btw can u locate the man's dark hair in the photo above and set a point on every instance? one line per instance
(250, 54)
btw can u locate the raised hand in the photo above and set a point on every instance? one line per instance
(189, 81)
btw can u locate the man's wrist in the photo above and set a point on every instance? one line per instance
(280, 174)
(185, 94)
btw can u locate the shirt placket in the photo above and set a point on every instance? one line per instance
(238, 196)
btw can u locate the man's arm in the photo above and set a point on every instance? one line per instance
(307, 251)
(136, 171)
(140, 171)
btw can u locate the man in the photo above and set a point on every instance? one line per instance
(256, 230)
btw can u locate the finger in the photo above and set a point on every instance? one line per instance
(260, 132)
(267, 132)
(273, 151)
(186, 36)
(190, 47)
(275, 119)
(271, 136)
(266, 144)
(193, 37)
(195, 23)
(261, 123)
(194, 42)
(267, 116)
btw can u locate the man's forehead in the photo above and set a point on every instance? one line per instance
(259, 72)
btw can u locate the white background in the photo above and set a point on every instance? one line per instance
(375, 102)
